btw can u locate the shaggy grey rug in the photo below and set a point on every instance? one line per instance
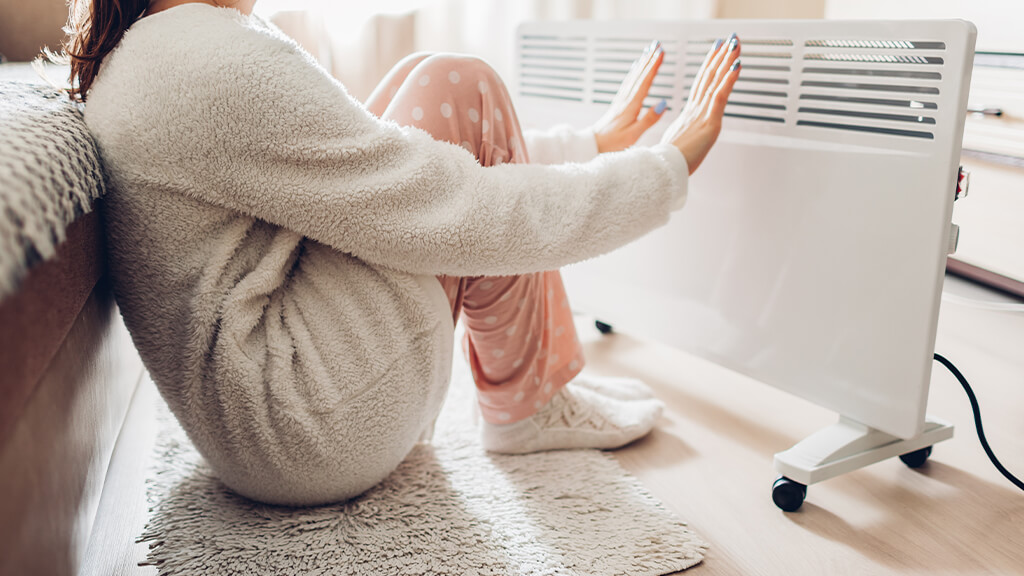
(450, 508)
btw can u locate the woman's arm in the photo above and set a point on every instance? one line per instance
(264, 131)
(560, 145)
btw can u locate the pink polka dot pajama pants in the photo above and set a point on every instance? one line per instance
(520, 341)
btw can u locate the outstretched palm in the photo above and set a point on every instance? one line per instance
(696, 128)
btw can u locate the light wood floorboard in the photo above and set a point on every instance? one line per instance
(710, 460)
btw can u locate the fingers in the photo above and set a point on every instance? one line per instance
(700, 82)
(721, 95)
(710, 89)
(630, 79)
(645, 80)
(731, 53)
(641, 67)
(622, 125)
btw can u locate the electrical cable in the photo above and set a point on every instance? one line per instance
(977, 421)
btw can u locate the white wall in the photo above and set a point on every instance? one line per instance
(771, 8)
(999, 22)
(28, 25)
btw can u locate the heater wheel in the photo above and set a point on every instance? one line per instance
(916, 458)
(788, 494)
(602, 327)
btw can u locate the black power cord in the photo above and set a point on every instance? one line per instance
(977, 421)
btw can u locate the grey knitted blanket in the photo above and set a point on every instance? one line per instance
(50, 174)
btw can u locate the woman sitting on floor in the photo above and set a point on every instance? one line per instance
(291, 263)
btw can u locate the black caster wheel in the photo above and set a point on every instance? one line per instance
(788, 494)
(602, 327)
(916, 458)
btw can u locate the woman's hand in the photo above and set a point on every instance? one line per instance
(623, 124)
(698, 126)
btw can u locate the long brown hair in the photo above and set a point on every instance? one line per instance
(94, 29)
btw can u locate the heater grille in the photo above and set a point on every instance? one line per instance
(854, 85)
(883, 87)
(553, 67)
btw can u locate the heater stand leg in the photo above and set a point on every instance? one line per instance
(846, 446)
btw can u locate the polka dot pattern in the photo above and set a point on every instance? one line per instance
(474, 116)
(424, 80)
(417, 113)
(446, 110)
(454, 77)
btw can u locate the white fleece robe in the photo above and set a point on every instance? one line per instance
(274, 247)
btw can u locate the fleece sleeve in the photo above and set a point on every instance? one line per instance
(561, 144)
(267, 132)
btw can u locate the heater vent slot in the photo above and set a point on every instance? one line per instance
(878, 73)
(876, 58)
(882, 44)
(875, 115)
(872, 87)
(865, 128)
(879, 101)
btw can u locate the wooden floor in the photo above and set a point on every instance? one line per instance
(710, 460)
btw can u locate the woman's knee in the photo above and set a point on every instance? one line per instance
(412, 61)
(459, 75)
(461, 99)
(449, 62)
(388, 87)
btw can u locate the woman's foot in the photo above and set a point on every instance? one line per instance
(576, 417)
(614, 387)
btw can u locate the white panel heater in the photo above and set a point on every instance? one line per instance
(811, 252)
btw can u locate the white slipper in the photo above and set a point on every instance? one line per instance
(576, 417)
(613, 387)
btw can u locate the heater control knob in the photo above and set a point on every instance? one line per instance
(963, 181)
